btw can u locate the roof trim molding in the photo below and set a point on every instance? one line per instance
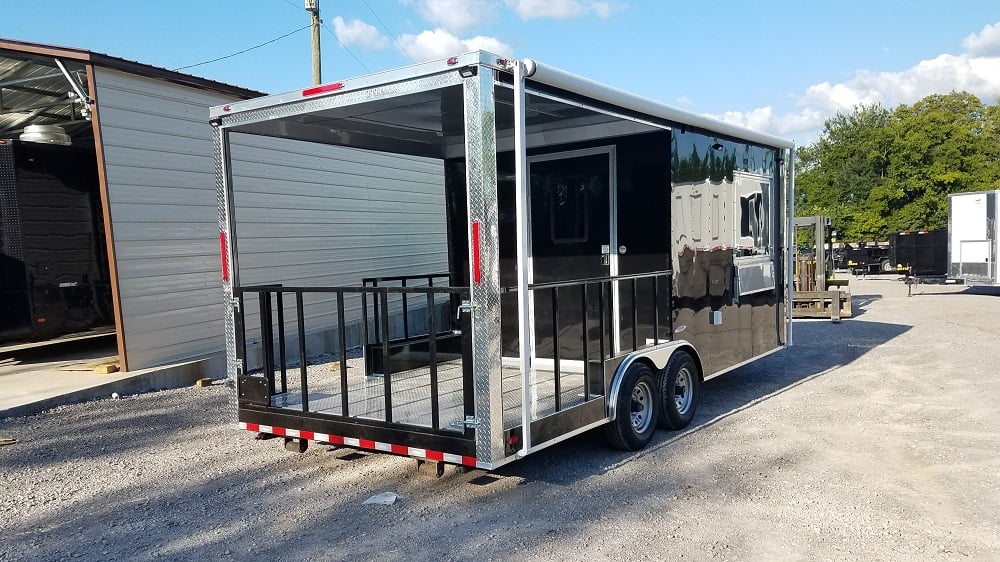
(131, 67)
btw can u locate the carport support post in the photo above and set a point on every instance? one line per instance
(484, 273)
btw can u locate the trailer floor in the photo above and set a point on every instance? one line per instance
(411, 393)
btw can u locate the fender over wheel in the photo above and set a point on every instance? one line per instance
(637, 409)
(679, 391)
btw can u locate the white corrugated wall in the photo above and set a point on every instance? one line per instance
(161, 186)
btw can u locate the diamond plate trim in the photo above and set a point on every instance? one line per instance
(11, 236)
(480, 148)
(311, 105)
(221, 190)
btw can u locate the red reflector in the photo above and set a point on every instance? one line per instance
(477, 272)
(226, 108)
(324, 88)
(225, 256)
(452, 61)
(40, 320)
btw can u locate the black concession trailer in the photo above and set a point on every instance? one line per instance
(599, 255)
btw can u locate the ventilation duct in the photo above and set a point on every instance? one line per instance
(46, 134)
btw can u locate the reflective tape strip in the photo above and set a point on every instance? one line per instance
(362, 444)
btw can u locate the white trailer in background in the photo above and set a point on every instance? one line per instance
(973, 245)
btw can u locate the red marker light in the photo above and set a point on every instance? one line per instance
(332, 87)
(477, 271)
(225, 256)
(226, 108)
(452, 61)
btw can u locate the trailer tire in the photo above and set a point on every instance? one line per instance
(679, 389)
(887, 267)
(637, 409)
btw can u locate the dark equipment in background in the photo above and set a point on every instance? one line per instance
(53, 258)
(862, 258)
(920, 254)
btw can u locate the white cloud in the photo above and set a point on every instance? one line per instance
(357, 32)
(560, 9)
(984, 43)
(976, 70)
(439, 43)
(457, 16)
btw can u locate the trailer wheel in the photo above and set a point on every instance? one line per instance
(637, 410)
(680, 391)
(887, 266)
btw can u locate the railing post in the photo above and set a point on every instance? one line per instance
(432, 350)
(383, 299)
(586, 343)
(281, 340)
(267, 339)
(300, 316)
(342, 336)
(555, 349)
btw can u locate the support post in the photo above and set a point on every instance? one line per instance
(312, 6)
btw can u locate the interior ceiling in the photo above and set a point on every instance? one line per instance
(34, 91)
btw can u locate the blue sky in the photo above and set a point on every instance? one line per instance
(779, 67)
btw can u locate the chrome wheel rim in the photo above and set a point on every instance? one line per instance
(642, 407)
(682, 390)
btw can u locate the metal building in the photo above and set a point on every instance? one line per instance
(110, 213)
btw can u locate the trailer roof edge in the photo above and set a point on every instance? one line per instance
(575, 83)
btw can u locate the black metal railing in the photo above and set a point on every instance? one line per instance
(402, 281)
(644, 292)
(274, 357)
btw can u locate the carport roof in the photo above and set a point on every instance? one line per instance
(34, 90)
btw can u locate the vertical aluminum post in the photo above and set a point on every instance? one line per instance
(789, 244)
(524, 331)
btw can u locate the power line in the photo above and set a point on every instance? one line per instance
(332, 32)
(350, 52)
(244, 50)
(391, 34)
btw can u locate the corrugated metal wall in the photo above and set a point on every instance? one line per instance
(161, 186)
(317, 215)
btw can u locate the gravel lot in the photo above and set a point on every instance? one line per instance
(874, 439)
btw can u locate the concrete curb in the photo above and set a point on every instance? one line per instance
(164, 377)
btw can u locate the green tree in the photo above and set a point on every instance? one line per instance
(839, 171)
(875, 171)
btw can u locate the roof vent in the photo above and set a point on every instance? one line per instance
(46, 134)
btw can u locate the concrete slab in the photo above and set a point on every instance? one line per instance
(41, 378)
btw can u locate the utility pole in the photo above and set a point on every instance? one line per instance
(312, 6)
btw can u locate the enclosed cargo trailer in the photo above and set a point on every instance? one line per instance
(973, 245)
(53, 263)
(602, 255)
(920, 254)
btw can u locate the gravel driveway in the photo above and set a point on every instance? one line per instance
(874, 439)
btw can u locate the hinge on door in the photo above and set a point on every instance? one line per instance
(465, 306)
(237, 364)
(235, 303)
(469, 421)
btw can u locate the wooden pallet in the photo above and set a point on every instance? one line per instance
(822, 304)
